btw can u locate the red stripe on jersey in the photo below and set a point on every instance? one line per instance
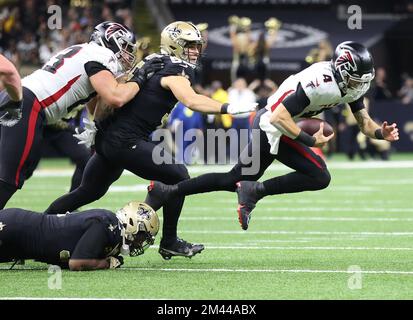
(56, 96)
(275, 105)
(298, 147)
(34, 114)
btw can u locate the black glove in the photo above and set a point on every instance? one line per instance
(11, 113)
(146, 71)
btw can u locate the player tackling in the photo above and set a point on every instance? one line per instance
(70, 78)
(344, 79)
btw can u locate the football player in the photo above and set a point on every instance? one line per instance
(89, 240)
(122, 139)
(321, 86)
(70, 78)
(11, 100)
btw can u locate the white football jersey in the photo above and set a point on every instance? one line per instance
(319, 86)
(63, 84)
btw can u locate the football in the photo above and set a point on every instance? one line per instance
(312, 125)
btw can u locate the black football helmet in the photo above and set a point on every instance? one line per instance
(353, 68)
(119, 39)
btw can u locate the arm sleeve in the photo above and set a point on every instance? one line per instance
(296, 102)
(93, 67)
(357, 105)
(92, 243)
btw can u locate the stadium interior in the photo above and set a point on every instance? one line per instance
(312, 245)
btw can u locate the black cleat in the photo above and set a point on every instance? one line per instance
(158, 194)
(179, 248)
(247, 199)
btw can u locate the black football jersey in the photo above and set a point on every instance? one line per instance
(143, 114)
(91, 234)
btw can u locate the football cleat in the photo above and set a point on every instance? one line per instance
(158, 194)
(179, 248)
(247, 199)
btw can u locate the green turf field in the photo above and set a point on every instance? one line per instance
(300, 246)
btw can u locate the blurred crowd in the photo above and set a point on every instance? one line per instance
(28, 41)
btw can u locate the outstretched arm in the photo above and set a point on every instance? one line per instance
(182, 90)
(371, 129)
(11, 79)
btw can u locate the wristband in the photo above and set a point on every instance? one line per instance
(305, 138)
(224, 108)
(378, 134)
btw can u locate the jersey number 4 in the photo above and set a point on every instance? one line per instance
(60, 59)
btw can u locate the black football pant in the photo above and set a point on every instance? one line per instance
(107, 165)
(310, 171)
(20, 146)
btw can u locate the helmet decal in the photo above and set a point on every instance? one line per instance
(346, 61)
(175, 32)
(113, 28)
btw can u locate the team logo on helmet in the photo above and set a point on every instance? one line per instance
(113, 29)
(346, 61)
(144, 212)
(175, 32)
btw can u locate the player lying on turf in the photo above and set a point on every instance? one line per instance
(89, 240)
(321, 86)
(72, 77)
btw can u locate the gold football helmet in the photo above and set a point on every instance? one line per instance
(178, 37)
(140, 225)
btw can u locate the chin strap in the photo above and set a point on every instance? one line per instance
(339, 80)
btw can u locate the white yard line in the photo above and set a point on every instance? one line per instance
(232, 270)
(314, 209)
(305, 248)
(309, 248)
(274, 167)
(381, 272)
(71, 298)
(287, 218)
(277, 200)
(286, 232)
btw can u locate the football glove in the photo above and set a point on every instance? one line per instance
(87, 136)
(145, 71)
(238, 108)
(115, 262)
(11, 113)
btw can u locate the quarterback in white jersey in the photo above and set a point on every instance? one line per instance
(312, 91)
(70, 78)
(276, 135)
